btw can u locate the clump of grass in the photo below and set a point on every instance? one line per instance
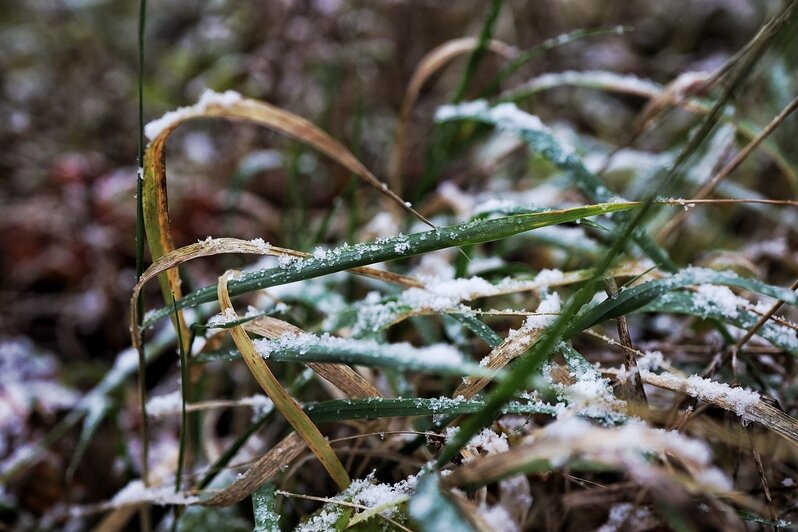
(484, 378)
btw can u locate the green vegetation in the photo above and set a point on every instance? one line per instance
(584, 320)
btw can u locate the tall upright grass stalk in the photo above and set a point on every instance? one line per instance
(140, 243)
(485, 35)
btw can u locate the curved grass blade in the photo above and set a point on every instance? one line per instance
(613, 82)
(348, 257)
(218, 246)
(541, 139)
(431, 63)
(779, 335)
(634, 298)
(231, 105)
(286, 404)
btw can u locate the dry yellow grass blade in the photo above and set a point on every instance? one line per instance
(282, 400)
(352, 383)
(554, 447)
(511, 348)
(759, 412)
(264, 469)
(231, 106)
(429, 65)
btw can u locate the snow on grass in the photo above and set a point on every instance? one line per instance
(263, 246)
(441, 295)
(712, 297)
(546, 313)
(741, 400)
(372, 494)
(225, 317)
(596, 78)
(490, 442)
(506, 116)
(628, 516)
(650, 361)
(436, 354)
(162, 405)
(629, 446)
(208, 99)
(497, 517)
(364, 492)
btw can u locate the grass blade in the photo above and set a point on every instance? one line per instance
(286, 404)
(432, 510)
(349, 257)
(264, 507)
(430, 64)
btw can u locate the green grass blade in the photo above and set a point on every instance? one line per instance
(779, 335)
(432, 510)
(185, 386)
(476, 56)
(541, 139)
(376, 408)
(633, 298)
(478, 327)
(264, 507)
(347, 257)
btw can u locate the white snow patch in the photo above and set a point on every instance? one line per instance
(436, 354)
(223, 318)
(720, 298)
(208, 99)
(547, 312)
(165, 404)
(382, 225)
(626, 515)
(497, 517)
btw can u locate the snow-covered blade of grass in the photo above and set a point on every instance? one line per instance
(375, 408)
(352, 256)
(307, 347)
